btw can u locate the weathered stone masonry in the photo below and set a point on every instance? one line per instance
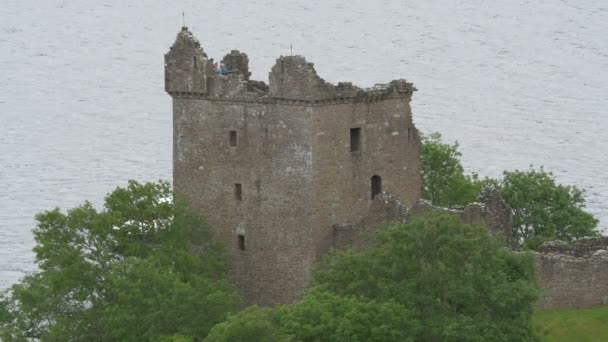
(573, 276)
(274, 167)
(286, 171)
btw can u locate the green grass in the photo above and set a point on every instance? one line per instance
(572, 325)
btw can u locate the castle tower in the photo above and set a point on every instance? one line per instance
(274, 167)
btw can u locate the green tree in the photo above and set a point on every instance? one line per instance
(543, 209)
(444, 182)
(327, 316)
(457, 283)
(254, 324)
(320, 316)
(142, 268)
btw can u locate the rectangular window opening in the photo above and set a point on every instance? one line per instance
(232, 138)
(238, 192)
(355, 139)
(242, 242)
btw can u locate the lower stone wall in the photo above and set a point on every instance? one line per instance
(572, 282)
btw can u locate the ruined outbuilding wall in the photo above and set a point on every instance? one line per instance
(573, 276)
(490, 210)
(384, 208)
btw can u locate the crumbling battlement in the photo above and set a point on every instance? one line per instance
(189, 73)
(293, 78)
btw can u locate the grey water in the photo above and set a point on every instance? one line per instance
(82, 106)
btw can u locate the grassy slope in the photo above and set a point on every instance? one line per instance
(573, 325)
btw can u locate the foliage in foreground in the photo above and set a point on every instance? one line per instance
(434, 279)
(587, 325)
(542, 209)
(139, 269)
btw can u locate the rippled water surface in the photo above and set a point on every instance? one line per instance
(82, 107)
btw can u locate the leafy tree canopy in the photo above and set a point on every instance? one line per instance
(434, 279)
(140, 269)
(444, 182)
(544, 209)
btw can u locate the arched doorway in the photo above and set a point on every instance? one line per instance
(376, 185)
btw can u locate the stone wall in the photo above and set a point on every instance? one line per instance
(573, 276)
(384, 208)
(583, 248)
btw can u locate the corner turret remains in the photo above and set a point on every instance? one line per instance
(275, 166)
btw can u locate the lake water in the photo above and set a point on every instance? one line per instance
(82, 106)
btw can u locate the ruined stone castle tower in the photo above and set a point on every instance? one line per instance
(276, 169)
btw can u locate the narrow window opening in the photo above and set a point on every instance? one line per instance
(409, 133)
(194, 62)
(355, 139)
(282, 66)
(232, 138)
(376, 186)
(241, 241)
(238, 192)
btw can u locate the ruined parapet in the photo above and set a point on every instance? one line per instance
(495, 214)
(568, 282)
(396, 88)
(293, 78)
(582, 248)
(237, 62)
(258, 87)
(186, 66)
(232, 85)
(235, 84)
(384, 208)
(490, 211)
